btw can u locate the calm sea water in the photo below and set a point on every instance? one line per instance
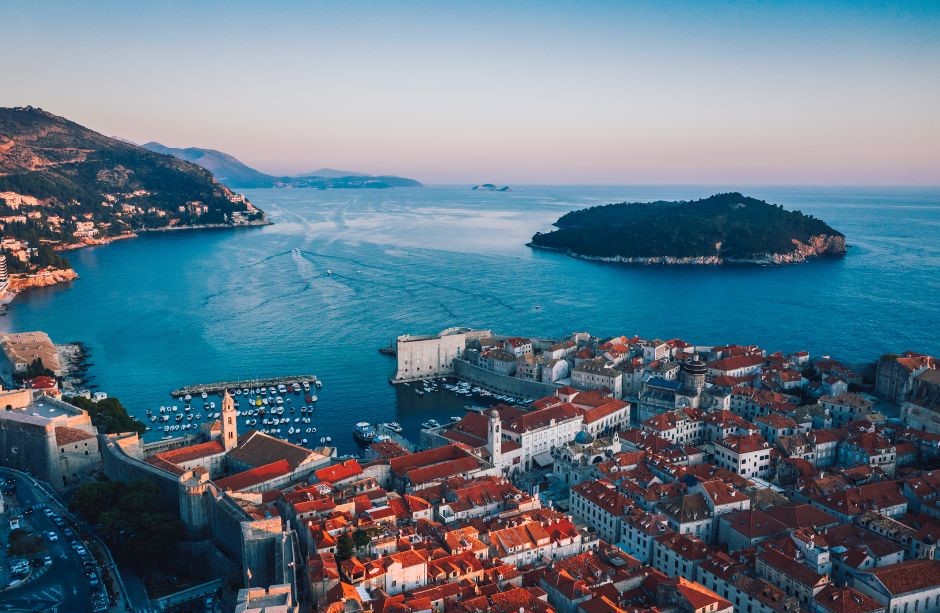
(171, 309)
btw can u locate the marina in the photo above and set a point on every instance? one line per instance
(218, 388)
(279, 406)
(463, 389)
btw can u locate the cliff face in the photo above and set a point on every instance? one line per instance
(41, 278)
(817, 246)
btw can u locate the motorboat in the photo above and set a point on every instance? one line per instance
(364, 432)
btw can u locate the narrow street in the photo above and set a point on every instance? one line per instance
(64, 586)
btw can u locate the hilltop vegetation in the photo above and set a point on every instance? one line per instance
(61, 184)
(721, 228)
(108, 415)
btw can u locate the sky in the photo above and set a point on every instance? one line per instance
(756, 93)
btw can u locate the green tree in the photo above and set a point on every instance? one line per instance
(37, 369)
(108, 415)
(361, 539)
(124, 512)
(344, 547)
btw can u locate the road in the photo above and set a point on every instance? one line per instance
(63, 587)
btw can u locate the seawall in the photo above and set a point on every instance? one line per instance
(501, 383)
(119, 466)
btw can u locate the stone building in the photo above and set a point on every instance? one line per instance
(49, 438)
(420, 357)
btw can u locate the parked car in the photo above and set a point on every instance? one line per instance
(53, 537)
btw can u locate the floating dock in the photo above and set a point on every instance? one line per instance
(218, 388)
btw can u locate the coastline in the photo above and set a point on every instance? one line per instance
(210, 226)
(47, 277)
(802, 254)
(94, 242)
(74, 358)
(44, 277)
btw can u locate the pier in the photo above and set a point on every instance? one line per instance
(217, 388)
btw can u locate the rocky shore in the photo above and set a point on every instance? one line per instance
(46, 277)
(94, 242)
(41, 278)
(210, 226)
(823, 245)
(74, 360)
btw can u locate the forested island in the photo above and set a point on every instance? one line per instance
(721, 229)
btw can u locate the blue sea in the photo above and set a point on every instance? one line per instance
(341, 273)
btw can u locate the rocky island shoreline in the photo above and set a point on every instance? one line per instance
(722, 229)
(819, 246)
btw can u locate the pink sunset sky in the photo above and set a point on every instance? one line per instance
(584, 93)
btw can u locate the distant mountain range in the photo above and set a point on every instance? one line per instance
(229, 170)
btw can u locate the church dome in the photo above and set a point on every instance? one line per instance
(583, 437)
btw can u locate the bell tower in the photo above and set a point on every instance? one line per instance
(494, 439)
(229, 423)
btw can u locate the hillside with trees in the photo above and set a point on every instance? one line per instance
(63, 185)
(718, 229)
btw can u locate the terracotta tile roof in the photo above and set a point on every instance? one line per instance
(388, 449)
(605, 495)
(699, 596)
(801, 516)
(338, 472)
(909, 576)
(65, 435)
(442, 470)
(192, 452)
(870, 442)
(776, 420)
(163, 465)
(604, 410)
(257, 449)
(721, 492)
(856, 500)
(791, 568)
(528, 535)
(848, 399)
(725, 418)
(688, 508)
(684, 545)
(753, 523)
(744, 444)
(737, 362)
(255, 476)
(322, 567)
(402, 465)
(821, 437)
(541, 418)
(846, 600)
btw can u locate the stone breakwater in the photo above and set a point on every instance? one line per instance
(817, 246)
